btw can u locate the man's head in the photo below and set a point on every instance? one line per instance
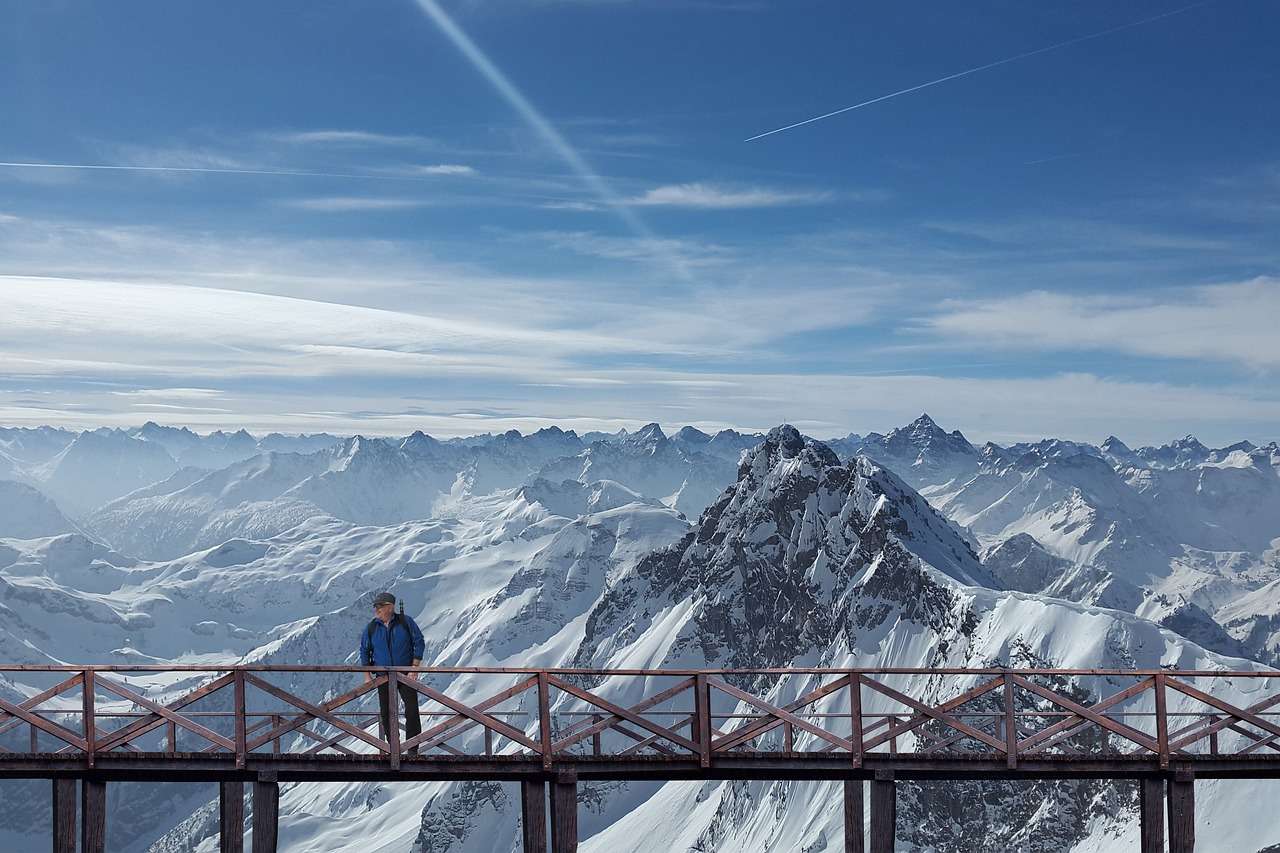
(384, 606)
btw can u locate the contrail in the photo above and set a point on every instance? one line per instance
(989, 65)
(215, 171)
(547, 131)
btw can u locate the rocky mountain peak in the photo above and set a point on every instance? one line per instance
(649, 438)
(692, 435)
(782, 443)
(1115, 445)
(800, 550)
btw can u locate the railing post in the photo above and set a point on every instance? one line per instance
(90, 730)
(884, 812)
(544, 718)
(702, 710)
(1182, 813)
(64, 816)
(1151, 814)
(597, 743)
(275, 742)
(93, 815)
(266, 814)
(393, 718)
(1010, 725)
(853, 816)
(35, 738)
(171, 737)
(239, 712)
(564, 815)
(533, 815)
(1162, 720)
(855, 720)
(231, 817)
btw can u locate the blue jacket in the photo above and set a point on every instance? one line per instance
(397, 644)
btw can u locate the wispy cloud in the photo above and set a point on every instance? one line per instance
(350, 138)
(172, 393)
(575, 206)
(352, 204)
(452, 169)
(712, 197)
(1224, 322)
(686, 252)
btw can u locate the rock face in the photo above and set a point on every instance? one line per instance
(921, 452)
(778, 556)
(807, 561)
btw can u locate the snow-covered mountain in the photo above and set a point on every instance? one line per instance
(33, 446)
(921, 452)
(485, 584)
(360, 480)
(560, 549)
(27, 514)
(652, 464)
(99, 466)
(1175, 533)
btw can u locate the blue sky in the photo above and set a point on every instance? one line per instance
(508, 214)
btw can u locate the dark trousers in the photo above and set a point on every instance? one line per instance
(409, 701)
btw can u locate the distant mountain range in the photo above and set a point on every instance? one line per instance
(642, 549)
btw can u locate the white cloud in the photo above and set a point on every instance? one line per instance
(172, 393)
(575, 206)
(350, 138)
(1223, 322)
(448, 169)
(712, 197)
(349, 204)
(657, 250)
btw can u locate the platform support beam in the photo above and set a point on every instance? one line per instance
(884, 812)
(1182, 814)
(231, 817)
(266, 815)
(853, 816)
(1151, 814)
(564, 816)
(533, 815)
(93, 813)
(64, 816)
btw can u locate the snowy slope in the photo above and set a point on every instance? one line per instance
(27, 514)
(361, 480)
(99, 466)
(487, 583)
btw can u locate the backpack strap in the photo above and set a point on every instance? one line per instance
(373, 623)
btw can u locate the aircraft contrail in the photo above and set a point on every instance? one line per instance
(548, 132)
(969, 71)
(213, 170)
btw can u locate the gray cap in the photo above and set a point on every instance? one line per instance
(384, 598)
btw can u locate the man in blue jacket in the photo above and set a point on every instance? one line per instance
(393, 639)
